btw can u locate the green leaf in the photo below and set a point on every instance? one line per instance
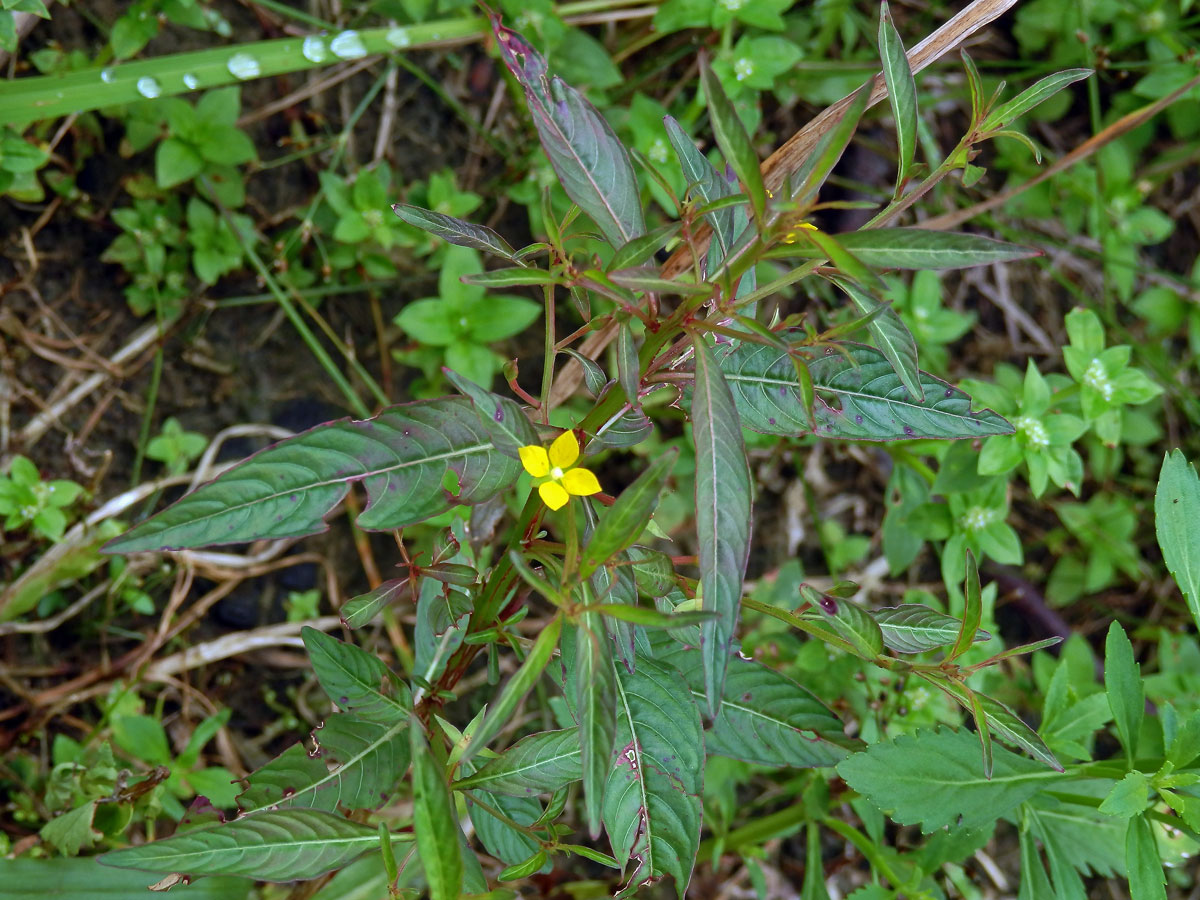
(733, 140)
(646, 278)
(972, 610)
(1142, 859)
(57, 878)
(723, 494)
(811, 175)
(175, 162)
(624, 522)
(357, 681)
(435, 822)
(766, 717)
(1176, 511)
(708, 186)
(503, 420)
(902, 92)
(499, 838)
(913, 628)
(360, 610)
(1128, 797)
(1123, 684)
(652, 809)
(514, 277)
(538, 764)
(1004, 115)
(455, 231)
(892, 337)
(853, 623)
(518, 686)
(71, 831)
(595, 708)
(642, 248)
(592, 165)
(280, 845)
(628, 367)
(402, 457)
(368, 758)
(934, 778)
(917, 248)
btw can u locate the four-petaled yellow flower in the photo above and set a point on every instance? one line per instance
(556, 481)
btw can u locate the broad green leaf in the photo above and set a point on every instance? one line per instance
(853, 623)
(403, 457)
(653, 571)
(902, 92)
(1123, 684)
(1091, 842)
(592, 165)
(595, 708)
(537, 764)
(917, 248)
(501, 418)
(500, 839)
(455, 231)
(368, 757)
(1176, 511)
(279, 845)
(723, 494)
(435, 821)
(1007, 113)
(71, 831)
(733, 140)
(913, 628)
(624, 521)
(652, 809)
(292, 779)
(1146, 878)
(934, 778)
(357, 681)
(1128, 796)
(765, 717)
(57, 878)
(972, 610)
(521, 683)
(892, 337)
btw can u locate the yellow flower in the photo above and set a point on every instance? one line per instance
(794, 234)
(556, 481)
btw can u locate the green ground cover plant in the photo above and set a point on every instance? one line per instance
(582, 676)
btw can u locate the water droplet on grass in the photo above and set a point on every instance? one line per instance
(243, 65)
(314, 49)
(149, 87)
(107, 75)
(190, 81)
(398, 37)
(348, 45)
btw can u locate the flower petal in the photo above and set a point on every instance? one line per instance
(535, 460)
(580, 482)
(553, 495)
(564, 450)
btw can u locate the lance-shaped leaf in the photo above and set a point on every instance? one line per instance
(1176, 511)
(765, 717)
(502, 419)
(733, 140)
(913, 628)
(592, 165)
(360, 610)
(292, 779)
(722, 514)
(404, 457)
(435, 822)
(628, 368)
(853, 623)
(283, 845)
(902, 92)
(860, 397)
(595, 708)
(640, 249)
(892, 337)
(369, 758)
(1007, 113)
(653, 571)
(514, 277)
(765, 388)
(624, 521)
(500, 839)
(537, 764)
(456, 231)
(934, 778)
(972, 610)
(357, 681)
(917, 248)
(652, 805)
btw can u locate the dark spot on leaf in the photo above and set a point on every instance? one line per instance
(858, 420)
(771, 420)
(908, 430)
(783, 391)
(746, 697)
(949, 392)
(829, 606)
(499, 416)
(294, 498)
(344, 700)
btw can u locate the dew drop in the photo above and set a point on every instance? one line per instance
(398, 37)
(348, 45)
(149, 87)
(108, 75)
(190, 81)
(314, 49)
(243, 66)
